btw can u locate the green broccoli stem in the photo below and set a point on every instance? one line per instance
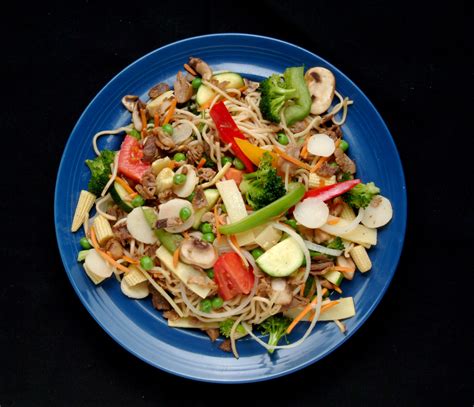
(294, 78)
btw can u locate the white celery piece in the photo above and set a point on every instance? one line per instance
(345, 309)
(361, 234)
(187, 322)
(235, 207)
(268, 237)
(184, 272)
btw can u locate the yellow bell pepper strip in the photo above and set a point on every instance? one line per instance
(254, 153)
(296, 191)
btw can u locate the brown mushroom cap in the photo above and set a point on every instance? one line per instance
(321, 84)
(129, 102)
(201, 68)
(197, 252)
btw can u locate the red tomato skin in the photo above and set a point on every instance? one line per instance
(232, 277)
(130, 161)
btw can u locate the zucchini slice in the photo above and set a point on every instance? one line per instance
(205, 95)
(119, 195)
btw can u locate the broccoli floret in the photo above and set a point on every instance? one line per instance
(275, 93)
(336, 244)
(361, 195)
(100, 171)
(263, 186)
(275, 327)
(226, 326)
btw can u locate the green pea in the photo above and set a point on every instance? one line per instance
(146, 262)
(168, 128)
(196, 82)
(206, 305)
(85, 243)
(292, 223)
(225, 160)
(238, 163)
(179, 157)
(217, 302)
(191, 197)
(344, 145)
(208, 237)
(138, 201)
(256, 253)
(179, 179)
(210, 273)
(205, 228)
(185, 213)
(283, 138)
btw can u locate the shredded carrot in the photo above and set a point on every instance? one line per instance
(186, 235)
(170, 113)
(133, 195)
(190, 70)
(341, 268)
(337, 289)
(143, 117)
(201, 163)
(302, 289)
(303, 313)
(217, 221)
(324, 308)
(291, 159)
(304, 152)
(333, 221)
(104, 255)
(243, 88)
(130, 260)
(206, 105)
(127, 187)
(172, 164)
(156, 119)
(176, 257)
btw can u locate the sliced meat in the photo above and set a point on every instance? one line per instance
(264, 287)
(251, 86)
(336, 206)
(117, 212)
(344, 162)
(226, 346)
(171, 315)
(213, 333)
(206, 174)
(326, 170)
(147, 187)
(166, 195)
(114, 248)
(158, 90)
(182, 88)
(200, 67)
(150, 149)
(199, 200)
(195, 152)
(320, 236)
(121, 233)
(158, 301)
(150, 250)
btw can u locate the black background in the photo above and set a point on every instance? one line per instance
(412, 60)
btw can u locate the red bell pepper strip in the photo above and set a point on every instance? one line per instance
(331, 191)
(228, 132)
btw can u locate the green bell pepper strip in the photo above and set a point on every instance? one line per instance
(296, 191)
(294, 78)
(170, 241)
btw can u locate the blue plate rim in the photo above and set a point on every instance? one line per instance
(366, 314)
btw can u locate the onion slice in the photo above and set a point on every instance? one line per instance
(342, 230)
(311, 213)
(322, 249)
(321, 145)
(300, 241)
(317, 309)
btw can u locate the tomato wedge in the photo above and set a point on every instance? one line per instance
(232, 277)
(130, 161)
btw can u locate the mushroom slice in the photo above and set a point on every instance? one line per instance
(171, 209)
(321, 84)
(198, 253)
(129, 102)
(182, 88)
(160, 104)
(182, 132)
(191, 181)
(158, 90)
(201, 68)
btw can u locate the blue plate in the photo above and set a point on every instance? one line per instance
(134, 324)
